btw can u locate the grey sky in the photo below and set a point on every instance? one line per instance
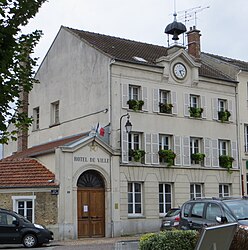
(223, 25)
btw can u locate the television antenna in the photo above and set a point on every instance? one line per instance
(190, 14)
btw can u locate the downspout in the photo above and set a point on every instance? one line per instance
(110, 142)
(238, 139)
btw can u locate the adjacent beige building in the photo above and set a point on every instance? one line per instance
(184, 142)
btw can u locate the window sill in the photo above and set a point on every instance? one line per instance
(136, 216)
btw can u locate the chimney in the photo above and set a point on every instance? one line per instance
(194, 45)
(22, 137)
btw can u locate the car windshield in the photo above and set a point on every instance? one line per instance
(239, 208)
(172, 212)
(22, 217)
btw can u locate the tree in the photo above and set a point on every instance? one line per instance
(16, 64)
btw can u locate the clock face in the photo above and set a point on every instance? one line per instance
(179, 71)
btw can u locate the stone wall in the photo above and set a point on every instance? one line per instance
(46, 206)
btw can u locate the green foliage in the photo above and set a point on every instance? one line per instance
(135, 104)
(195, 112)
(224, 115)
(165, 107)
(137, 154)
(198, 157)
(168, 156)
(170, 240)
(16, 64)
(225, 161)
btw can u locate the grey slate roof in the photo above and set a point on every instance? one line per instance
(126, 50)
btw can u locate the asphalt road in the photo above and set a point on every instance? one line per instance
(76, 245)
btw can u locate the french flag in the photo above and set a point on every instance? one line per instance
(100, 130)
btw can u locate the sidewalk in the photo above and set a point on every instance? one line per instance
(95, 241)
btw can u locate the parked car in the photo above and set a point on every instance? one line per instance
(15, 229)
(199, 213)
(171, 219)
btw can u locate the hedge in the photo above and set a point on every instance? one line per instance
(169, 240)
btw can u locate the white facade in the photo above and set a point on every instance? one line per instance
(78, 83)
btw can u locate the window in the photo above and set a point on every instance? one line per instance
(165, 197)
(134, 143)
(165, 105)
(222, 105)
(195, 150)
(134, 92)
(197, 210)
(246, 138)
(224, 190)
(36, 117)
(195, 191)
(212, 211)
(194, 101)
(6, 219)
(24, 205)
(164, 142)
(55, 113)
(134, 198)
(223, 147)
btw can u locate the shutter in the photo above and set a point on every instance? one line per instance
(204, 106)
(177, 150)
(215, 108)
(124, 147)
(125, 97)
(207, 152)
(186, 104)
(174, 102)
(144, 98)
(148, 150)
(155, 148)
(186, 151)
(215, 153)
(234, 154)
(231, 109)
(155, 100)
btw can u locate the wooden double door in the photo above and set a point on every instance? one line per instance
(91, 212)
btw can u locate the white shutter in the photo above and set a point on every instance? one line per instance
(207, 152)
(174, 102)
(231, 109)
(124, 147)
(148, 149)
(204, 106)
(215, 153)
(234, 154)
(186, 104)
(186, 151)
(215, 108)
(155, 148)
(177, 150)
(144, 98)
(125, 96)
(155, 100)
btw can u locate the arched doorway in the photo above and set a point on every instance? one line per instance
(91, 204)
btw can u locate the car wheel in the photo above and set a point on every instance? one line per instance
(29, 240)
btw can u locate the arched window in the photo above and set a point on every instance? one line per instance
(90, 179)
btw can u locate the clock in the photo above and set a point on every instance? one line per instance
(179, 71)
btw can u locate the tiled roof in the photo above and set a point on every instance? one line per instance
(242, 65)
(24, 173)
(47, 147)
(136, 52)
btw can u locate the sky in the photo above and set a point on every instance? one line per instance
(222, 23)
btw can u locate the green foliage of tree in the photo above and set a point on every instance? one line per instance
(16, 64)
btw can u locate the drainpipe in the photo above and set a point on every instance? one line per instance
(238, 140)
